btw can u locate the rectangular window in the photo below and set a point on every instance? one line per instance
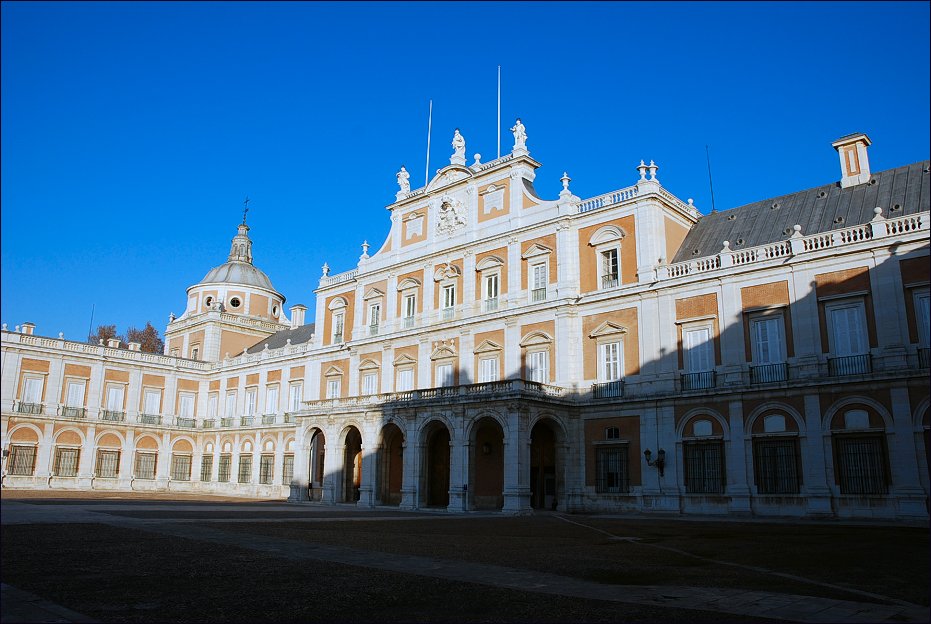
(370, 383)
(251, 394)
(538, 366)
(611, 476)
(152, 401)
(145, 465)
(775, 464)
(75, 393)
(245, 468)
(206, 467)
(704, 467)
(848, 325)
(181, 467)
(115, 398)
(230, 408)
(538, 278)
(266, 469)
(405, 380)
(186, 405)
(271, 400)
(32, 390)
(108, 464)
(609, 268)
(766, 340)
(923, 318)
(22, 460)
(449, 296)
(444, 375)
(488, 370)
(287, 469)
(66, 462)
(333, 387)
(491, 292)
(337, 327)
(861, 461)
(410, 306)
(374, 318)
(212, 405)
(223, 468)
(699, 350)
(296, 391)
(609, 361)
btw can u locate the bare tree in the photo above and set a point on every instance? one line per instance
(147, 337)
(103, 334)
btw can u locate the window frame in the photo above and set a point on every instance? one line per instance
(13, 465)
(832, 306)
(532, 370)
(620, 481)
(693, 327)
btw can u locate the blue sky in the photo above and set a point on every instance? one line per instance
(131, 133)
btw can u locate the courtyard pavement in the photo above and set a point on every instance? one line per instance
(213, 522)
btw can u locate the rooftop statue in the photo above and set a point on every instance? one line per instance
(520, 135)
(459, 144)
(404, 180)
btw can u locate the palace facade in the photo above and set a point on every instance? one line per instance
(502, 351)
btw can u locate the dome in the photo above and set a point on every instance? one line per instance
(238, 273)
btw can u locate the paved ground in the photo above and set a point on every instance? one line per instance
(133, 558)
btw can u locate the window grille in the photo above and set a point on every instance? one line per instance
(245, 468)
(287, 469)
(611, 470)
(206, 467)
(108, 464)
(66, 462)
(861, 461)
(776, 466)
(266, 469)
(22, 460)
(223, 474)
(704, 467)
(145, 465)
(181, 467)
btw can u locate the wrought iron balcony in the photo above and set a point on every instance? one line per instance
(407, 322)
(288, 417)
(537, 295)
(850, 365)
(338, 338)
(118, 416)
(491, 304)
(609, 281)
(29, 408)
(187, 423)
(78, 413)
(698, 381)
(373, 330)
(608, 390)
(269, 419)
(447, 314)
(208, 424)
(769, 373)
(226, 422)
(245, 421)
(150, 419)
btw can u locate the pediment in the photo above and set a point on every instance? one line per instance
(607, 234)
(608, 328)
(489, 262)
(333, 371)
(404, 359)
(369, 365)
(338, 303)
(443, 350)
(446, 271)
(373, 293)
(451, 174)
(488, 346)
(536, 338)
(408, 282)
(536, 250)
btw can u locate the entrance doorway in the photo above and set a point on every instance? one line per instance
(487, 478)
(391, 465)
(317, 457)
(543, 477)
(437, 463)
(352, 466)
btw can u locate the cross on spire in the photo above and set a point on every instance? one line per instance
(245, 209)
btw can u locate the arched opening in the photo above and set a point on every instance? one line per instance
(391, 465)
(317, 456)
(487, 465)
(437, 465)
(543, 476)
(352, 466)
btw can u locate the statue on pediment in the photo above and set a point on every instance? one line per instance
(459, 145)
(404, 180)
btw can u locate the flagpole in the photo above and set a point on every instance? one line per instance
(429, 128)
(499, 111)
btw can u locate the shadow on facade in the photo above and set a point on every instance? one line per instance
(812, 402)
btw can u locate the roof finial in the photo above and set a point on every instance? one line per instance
(245, 209)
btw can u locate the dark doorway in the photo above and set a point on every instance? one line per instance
(543, 467)
(487, 482)
(391, 465)
(352, 466)
(438, 467)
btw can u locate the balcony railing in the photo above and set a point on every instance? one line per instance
(537, 294)
(187, 423)
(288, 417)
(491, 304)
(226, 422)
(116, 416)
(78, 413)
(850, 365)
(924, 355)
(698, 381)
(210, 423)
(269, 419)
(373, 330)
(769, 373)
(447, 314)
(407, 322)
(608, 390)
(149, 419)
(29, 408)
(245, 421)
(609, 281)
(338, 338)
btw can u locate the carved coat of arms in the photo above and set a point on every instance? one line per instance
(450, 216)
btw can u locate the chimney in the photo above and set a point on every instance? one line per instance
(29, 328)
(854, 163)
(113, 343)
(297, 315)
(135, 346)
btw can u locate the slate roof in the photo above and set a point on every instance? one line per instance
(901, 191)
(298, 335)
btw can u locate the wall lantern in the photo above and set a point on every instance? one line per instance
(659, 462)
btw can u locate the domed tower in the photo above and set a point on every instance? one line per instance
(232, 308)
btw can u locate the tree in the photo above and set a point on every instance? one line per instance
(147, 337)
(104, 333)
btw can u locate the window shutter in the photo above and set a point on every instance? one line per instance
(75, 394)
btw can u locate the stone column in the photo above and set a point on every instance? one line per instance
(730, 324)
(892, 327)
(806, 328)
(906, 484)
(46, 450)
(369, 458)
(300, 480)
(468, 283)
(410, 490)
(458, 452)
(333, 457)
(736, 461)
(86, 465)
(467, 374)
(567, 259)
(279, 461)
(566, 348)
(512, 368)
(163, 465)
(127, 457)
(818, 492)
(514, 296)
(517, 461)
